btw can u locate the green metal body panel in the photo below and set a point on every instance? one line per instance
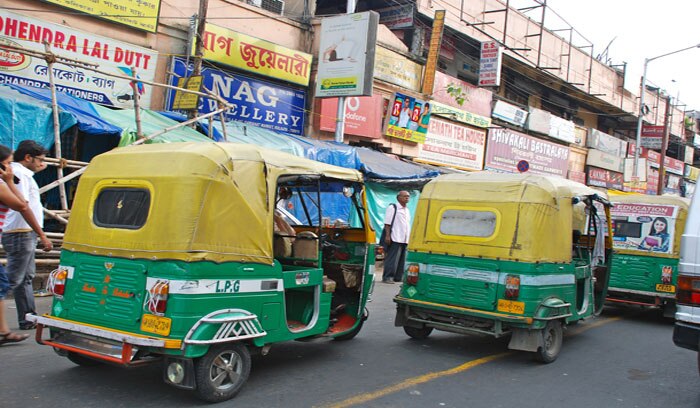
(111, 292)
(471, 288)
(635, 277)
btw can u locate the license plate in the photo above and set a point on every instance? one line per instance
(156, 324)
(510, 306)
(665, 288)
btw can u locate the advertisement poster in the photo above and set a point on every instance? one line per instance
(506, 148)
(454, 145)
(396, 69)
(476, 100)
(346, 55)
(644, 227)
(605, 178)
(109, 55)
(255, 55)
(408, 118)
(257, 102)
(363, 115)
(140, 14)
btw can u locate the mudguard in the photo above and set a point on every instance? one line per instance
(223, 326)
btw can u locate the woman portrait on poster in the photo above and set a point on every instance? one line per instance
(658, 238)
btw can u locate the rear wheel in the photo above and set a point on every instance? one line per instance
(354, 332)
(418, 333)
(221, 372)
(82, 360)
(552, 337)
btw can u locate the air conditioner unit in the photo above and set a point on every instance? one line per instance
(257, 3)
(275, 6)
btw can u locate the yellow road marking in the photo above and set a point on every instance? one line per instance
(410, 382)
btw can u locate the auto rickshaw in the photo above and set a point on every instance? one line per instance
(170, 255)
(647, 234)
(505, 254)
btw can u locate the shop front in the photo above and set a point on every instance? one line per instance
(512, 152)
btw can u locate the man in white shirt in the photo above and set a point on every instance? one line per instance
(397, 224)
(18, 239)
(404, 115)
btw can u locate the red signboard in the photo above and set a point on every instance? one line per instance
(604, 178)
(505, 148)
(363, 115)
(477, 100)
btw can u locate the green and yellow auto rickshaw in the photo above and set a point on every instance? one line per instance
(647, 234)
(172, 254)
(505, 254)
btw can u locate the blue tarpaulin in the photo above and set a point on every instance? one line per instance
(377, 165)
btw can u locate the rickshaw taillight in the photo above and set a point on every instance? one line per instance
(57, 282)
(512, 286)
(412, 274)
(688, 290)
(158, 297)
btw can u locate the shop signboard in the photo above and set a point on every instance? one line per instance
(644, 227)
(453, 145)
(606, 161)
(671, 165)
(544, 122)
(696, 140)
(473, 99)
(629, 170)
(652, 181)
(604, 178)
(458, 115)
(606, 143)
(580, 136)
(652, 136)
(140, 14)
(346, 55)
(396, 69)
(363, 115)
(578, 176)
(509, 113)
(115, 57)
(689, 154)
(252, 54)
(691, 173)
(408, 118)
(261, 103)
(397, 17)
(506, 148)
(491, 58)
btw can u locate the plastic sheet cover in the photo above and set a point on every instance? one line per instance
(377, 165)
(89, 121)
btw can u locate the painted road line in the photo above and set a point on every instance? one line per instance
(410, 382)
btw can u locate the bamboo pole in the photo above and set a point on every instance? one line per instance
(181, 124)
(137, 103)
(61, 181)
(222, 117)
(55, 216)
(50, 59)
(59, 161)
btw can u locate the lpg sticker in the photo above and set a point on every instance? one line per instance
(302, 278)
(228, 286)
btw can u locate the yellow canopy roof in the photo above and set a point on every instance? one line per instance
(682, 203)
(533, 216)
(208, 201)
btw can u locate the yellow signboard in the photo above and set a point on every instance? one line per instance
(255, 55)
(141, 14)
(186, 100)
(394, 68)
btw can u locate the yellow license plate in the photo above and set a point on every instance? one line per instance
(156, 324)
(511, 306)
(665, 288)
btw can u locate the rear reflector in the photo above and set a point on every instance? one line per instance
(688, 290)
(412, 273)
(512, 286)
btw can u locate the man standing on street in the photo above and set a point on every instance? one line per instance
(397, 224)
(18, 239)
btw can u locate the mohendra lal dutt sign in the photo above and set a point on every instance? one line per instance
(255, 55)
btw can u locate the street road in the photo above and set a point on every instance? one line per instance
(625, 358)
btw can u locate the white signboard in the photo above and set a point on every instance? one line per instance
(605, 161)
(110, 55)
(509, 113)
(346, 55)
(490, 63)
(454, 145)
(396, 17)
(562, 129)
(606, 143)
(629, 175)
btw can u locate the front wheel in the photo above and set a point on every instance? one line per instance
(418, 333)
(552, 337)
(221, 372)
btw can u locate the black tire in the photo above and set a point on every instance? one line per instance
(552, 338)
(418, 333)
(81, 360)
(221, 372)
(354, 332)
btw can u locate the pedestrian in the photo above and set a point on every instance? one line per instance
(10, 198)
(18, 236)
(397, 224)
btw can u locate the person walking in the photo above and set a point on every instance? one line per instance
(18, 237)
(397, 224)
(10, 198)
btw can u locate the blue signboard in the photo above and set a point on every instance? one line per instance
(261, 103)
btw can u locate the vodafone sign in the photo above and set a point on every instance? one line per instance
(363, 115)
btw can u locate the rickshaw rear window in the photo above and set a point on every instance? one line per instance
(122, 208)
(468, 223)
